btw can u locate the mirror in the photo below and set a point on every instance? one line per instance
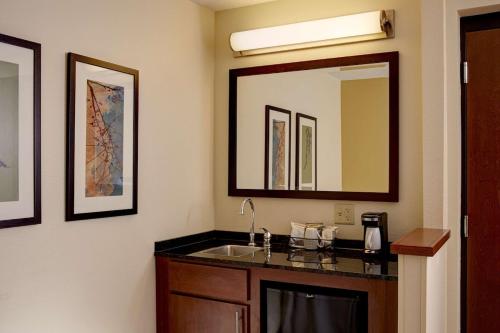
(321, 129)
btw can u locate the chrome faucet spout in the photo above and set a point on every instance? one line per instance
(252, 228)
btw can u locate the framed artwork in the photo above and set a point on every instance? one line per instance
(277, 148)
(305, 153)
(20, 184)
(101, 161)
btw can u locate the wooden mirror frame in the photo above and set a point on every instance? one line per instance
(391, 196)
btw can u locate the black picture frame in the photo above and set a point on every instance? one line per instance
(298, 138)
(392, 195)
(269, 109)
(37, 202)
(71, 215)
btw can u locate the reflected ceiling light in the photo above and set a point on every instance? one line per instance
(336, 30)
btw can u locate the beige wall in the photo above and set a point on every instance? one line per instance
(98, 276)
(365, 135)
(277, 213)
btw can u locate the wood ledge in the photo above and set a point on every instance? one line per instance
(424, 242)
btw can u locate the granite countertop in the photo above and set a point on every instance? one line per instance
(345, 259)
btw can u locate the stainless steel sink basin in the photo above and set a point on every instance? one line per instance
(230, 250)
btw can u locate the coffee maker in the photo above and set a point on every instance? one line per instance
(375, 234)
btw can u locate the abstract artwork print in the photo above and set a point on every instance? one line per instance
(307, 154)
(9, 132)
(278, 155)
(101, 171)
(104, 140)
(277, 148)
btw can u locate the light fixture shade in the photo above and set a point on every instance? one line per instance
(336, 30)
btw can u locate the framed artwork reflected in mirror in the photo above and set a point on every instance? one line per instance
(277, 148)
(306, 171)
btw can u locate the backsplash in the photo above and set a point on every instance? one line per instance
(276, 215)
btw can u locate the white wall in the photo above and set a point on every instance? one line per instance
(276, 214)
(98, 276)
(315, 93)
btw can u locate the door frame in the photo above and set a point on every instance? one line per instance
(467, 24)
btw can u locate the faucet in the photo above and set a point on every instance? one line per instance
(267, 238)
(252, 228)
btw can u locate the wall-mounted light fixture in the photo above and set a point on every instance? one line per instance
(336, 30)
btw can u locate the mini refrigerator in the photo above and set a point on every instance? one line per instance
(294, 308)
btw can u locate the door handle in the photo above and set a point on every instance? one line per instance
(237, 321)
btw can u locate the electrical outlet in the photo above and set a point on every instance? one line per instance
(344, 214)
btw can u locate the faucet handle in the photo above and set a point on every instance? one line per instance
(267, 237)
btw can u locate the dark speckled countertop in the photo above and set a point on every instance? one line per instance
(346, 259)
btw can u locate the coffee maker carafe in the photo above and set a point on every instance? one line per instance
(375, 233)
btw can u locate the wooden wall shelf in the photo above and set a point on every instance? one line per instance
(421, 242)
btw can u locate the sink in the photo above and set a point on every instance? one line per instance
(230, 250)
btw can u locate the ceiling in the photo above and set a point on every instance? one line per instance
(228, 4)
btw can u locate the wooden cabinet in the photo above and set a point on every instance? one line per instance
(197, 297)
(192, 297)
(193, 315)
(209, 281)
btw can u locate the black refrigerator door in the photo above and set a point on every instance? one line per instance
(305, 309)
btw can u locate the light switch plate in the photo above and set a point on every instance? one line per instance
(344, 214)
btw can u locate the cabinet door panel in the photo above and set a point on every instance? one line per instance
(213, 282)
(194, 315)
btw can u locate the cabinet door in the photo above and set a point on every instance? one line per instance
(194, 315)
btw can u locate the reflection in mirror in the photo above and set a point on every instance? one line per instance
(277, 149)
(325, 129)
(340, 132)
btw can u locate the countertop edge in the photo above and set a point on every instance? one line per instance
(235, 263)
(421, 242)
